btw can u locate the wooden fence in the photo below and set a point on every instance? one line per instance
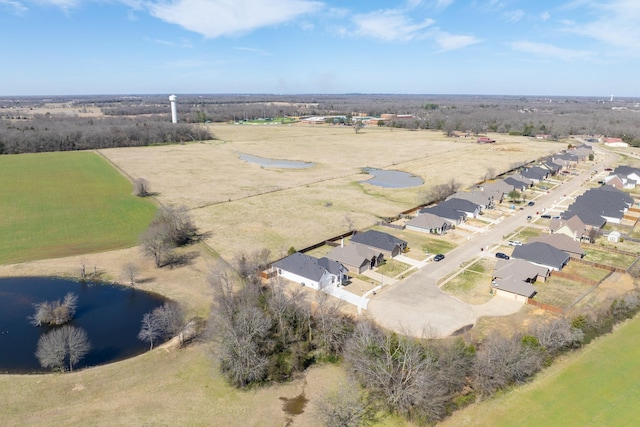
(547, 307)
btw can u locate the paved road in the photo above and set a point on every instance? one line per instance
(416, 306)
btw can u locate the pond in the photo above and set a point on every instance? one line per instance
(109, 314)
(392, 179)
(276, 163)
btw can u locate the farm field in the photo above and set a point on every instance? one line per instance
(580, 390)
(245, 206)
(59, 204)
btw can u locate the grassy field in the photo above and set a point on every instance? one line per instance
(245, 206)
(583, 389)
(57, 204)
(612, 259)
(473, 284)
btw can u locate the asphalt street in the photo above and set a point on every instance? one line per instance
(415, 306)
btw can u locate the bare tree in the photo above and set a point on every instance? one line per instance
(55, 312)
(347, 406)
(130, 272)
(141, 187)
(503, 361)
(332, 327)
(156, 243)
(557, 335)
(358, 125)
(150, 330)
(62, 347)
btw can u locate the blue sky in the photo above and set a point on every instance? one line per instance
(563, 48)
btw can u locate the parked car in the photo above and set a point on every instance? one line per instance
(544, 187)
(529, 218)
(438, 257)
(531, 203)
(502, 255)
(608, 169)
(515, 243)
(546, 216)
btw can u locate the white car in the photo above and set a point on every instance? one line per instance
(514, 243)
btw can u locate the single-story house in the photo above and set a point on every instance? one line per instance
(389, 245)
(470, 209)
(520, 269)
(357, 258)
(316, 273)
(452, 216)
(428, 223)
(536, 173)
(572, 227)
(542, 254)
(481, 198)
(514, 289)
(607, 202)
(518, 183)
(562, 242)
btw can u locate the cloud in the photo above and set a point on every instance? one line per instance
(215, 18)
(514, 15)
(389, 25)
(449, 42)
(543, 49)
(17, 7)
(616, 25)
(443, 4)
(182, 43)
(260, 52)
(544, 16)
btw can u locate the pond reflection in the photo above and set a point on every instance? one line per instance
(110, 315)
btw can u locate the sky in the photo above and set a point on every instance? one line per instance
(484, 47)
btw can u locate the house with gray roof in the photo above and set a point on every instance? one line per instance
(518, 182)
(600, 205)
(389, 245)
(428, 223)
(562, 242)
(535, 173)
(452, 216)
(356, 258)
(519, 269)
(316, 273)
(542, 254)
(514, 289)
(470, 209)
(484, 199)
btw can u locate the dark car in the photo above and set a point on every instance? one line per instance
(502, 255)
(438, 257)
(531, 203)
(546, 216)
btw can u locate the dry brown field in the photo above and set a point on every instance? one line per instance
(245, 206)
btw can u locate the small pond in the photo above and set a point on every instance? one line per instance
(392, 179)
(276, 163)
(109, 314)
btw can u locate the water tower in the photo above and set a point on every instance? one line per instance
(174, 109)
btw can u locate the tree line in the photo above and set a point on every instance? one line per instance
(45, 133)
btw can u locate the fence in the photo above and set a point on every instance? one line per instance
(575, 278)
(597, 265)
(547, 307)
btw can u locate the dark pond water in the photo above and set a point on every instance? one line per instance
(276, 163)
(392, 179)
(110, 315)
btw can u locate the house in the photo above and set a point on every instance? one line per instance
(615, 142)
(562, 242)
(619, 182)
(428, 223)
(514, 289)
(552, 166)
(542, 254)
(535, 173)
(356, 258)
(572, 227)
(389, 245)
(470, 209)
(600, 205)
(316, 273)
(452, 216)
(518, 182)
(519, 269)
(481, 198)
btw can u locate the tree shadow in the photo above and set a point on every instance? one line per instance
(176, 260)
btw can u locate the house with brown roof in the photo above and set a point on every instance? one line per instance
(572, 227)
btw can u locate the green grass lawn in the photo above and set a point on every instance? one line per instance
(608, 258)
(597, 386)
(59, 204)
(473, 284)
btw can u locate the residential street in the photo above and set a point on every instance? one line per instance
(416, 306)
